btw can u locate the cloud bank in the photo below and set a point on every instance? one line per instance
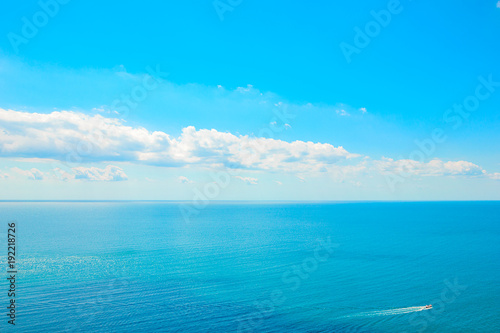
(435, 167)
(76, 137)
(109, 173)
(33, 174)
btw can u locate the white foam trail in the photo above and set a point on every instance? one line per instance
(390, 312)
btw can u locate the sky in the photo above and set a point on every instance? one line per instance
(249, 100)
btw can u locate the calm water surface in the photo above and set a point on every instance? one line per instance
(330, 267)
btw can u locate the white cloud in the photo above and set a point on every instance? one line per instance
(248, 180)
(4, 175)
(363, 110)
(435, 167)
(33, 174)
(462, 168)
(64, 135)
(185, 180)
(495, 175)
(498, 4)
(63, 175)
(35, 160)
(342, 112)
(278, 182)
(110, 173)
(248, 89)
(343, 172)
(80, 138)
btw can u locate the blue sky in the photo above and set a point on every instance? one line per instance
(336, 127)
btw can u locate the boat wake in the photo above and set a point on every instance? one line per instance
(390, 312)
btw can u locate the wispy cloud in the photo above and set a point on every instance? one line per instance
(248, 180)
(495, 176)
(342, 112)
(185, 180)
(34, 160)
(110, 173)
(33, 174)
(63, 175)
(434, 167)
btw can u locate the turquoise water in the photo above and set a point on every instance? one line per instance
(329, 267)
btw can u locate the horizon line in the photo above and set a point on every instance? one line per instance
(253, 201)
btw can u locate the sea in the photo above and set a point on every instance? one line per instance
(251, 267)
